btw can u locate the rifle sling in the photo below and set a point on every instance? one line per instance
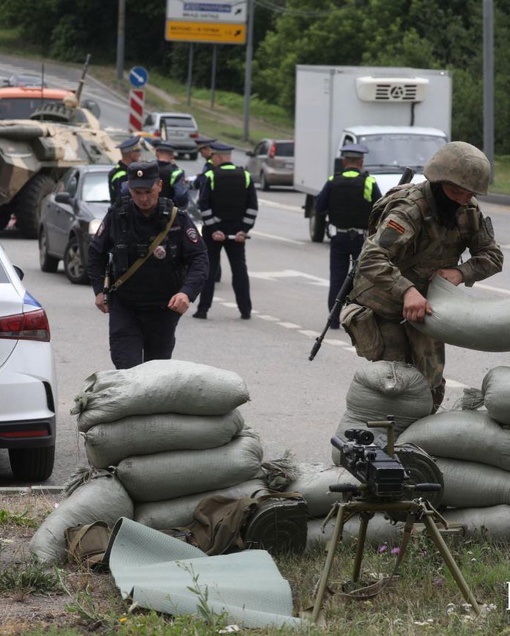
(139, 262)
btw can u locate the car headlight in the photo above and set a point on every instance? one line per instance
(94, 226)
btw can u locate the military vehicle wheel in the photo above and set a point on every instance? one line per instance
(73, 263)
(47, 263)
(316, 226)
(27, 204)
(263, 182)
(32, 464)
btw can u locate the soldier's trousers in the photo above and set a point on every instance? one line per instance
(404, 343)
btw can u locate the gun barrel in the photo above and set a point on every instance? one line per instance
(337, 442)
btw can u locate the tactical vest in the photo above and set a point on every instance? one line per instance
(350, 199)
(228, 192)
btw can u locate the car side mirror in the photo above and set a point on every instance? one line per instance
(63, 197)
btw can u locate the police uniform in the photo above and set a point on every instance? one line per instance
(203, 142)
(419, 232)
(174, 186)
(117, 177)
(141, 325)
(347, 199)
(228, 203)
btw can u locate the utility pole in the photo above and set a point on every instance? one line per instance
(247, 74)
(121, 30)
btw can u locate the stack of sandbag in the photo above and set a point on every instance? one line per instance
(380, 389)
(472, 449)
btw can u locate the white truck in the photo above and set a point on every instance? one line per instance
(402, 115)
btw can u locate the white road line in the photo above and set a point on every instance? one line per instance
(281, 206)
(268, 318)
(277, 238)
(289, 325)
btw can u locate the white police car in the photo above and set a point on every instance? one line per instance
(28, 384)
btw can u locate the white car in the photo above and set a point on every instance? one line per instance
(28, 383)
(180, 129)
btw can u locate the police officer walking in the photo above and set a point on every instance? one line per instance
(228, 204)
(130, 151)
(158, 265)
(174, 184)
(346, 199)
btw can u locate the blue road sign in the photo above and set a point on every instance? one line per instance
(138, 76)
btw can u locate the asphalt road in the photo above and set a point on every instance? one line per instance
(295, 404)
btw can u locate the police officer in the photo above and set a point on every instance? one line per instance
(130, 151)
(149, 297)
(347, 199)
(228, 204)
(422, 232)
(204, 148)
(174, 184)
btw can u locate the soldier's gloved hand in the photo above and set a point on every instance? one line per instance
(179, 303)
(416, 306)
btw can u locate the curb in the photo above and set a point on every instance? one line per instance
(500, 199)
(31, 490)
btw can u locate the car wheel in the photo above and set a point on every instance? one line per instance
(316, 226)
(32, 464)
(27, 204)
(263, 182)
(73, 263)
(47, 263)
(193, 156)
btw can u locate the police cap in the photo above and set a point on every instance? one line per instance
(353, 151)
(203, 142)
(129, 145)
(222, 149)
(165, 146)
(142, 174)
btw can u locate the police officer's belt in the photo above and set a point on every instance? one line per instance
(139, 262)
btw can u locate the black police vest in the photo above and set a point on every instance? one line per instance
(228, 194)
(347, 205)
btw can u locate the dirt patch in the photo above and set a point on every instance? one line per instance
(79, 599)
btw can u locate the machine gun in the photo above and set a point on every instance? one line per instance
(348, 284)
(385, 486)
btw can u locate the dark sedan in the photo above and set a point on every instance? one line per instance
(70, 216)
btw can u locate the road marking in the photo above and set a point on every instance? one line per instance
(281, 206)
(282, 239)
(289, 325)
(291, 273)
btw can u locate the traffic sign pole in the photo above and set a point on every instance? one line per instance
(136, 102)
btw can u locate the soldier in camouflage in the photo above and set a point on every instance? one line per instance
(422, 231)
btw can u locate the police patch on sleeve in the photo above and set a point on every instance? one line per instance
(192, 234)
(100, 229)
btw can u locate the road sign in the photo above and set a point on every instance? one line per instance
(207, 10)
(215, 33)
(138, 76)
(136, 102)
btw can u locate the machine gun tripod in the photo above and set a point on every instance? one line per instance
(385, 479)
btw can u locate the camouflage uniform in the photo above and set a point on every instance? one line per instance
(409, 245)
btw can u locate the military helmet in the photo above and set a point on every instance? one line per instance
(462, 164)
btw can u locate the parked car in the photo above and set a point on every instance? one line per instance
(70, 216)
(180, 129)
(25, 79)
(271, 163)
(28, 383)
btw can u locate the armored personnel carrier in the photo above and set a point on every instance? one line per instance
(35, 153)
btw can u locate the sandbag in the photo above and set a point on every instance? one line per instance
(467, 435)
(108, 444)
(496, 394)
(103, 498)
(379, 531)
(473, 485)
(158, 386)
(492, 522)
(178, 473)
(466, 321)
(380, 389)
(313, 483)
(163, 515)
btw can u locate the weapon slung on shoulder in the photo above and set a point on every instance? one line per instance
(348, 284)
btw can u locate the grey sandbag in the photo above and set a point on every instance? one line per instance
(163, 515)
(467, 435)
(379, 531)
(313, 483)
(380, 389)
(466, 321)
(496, 394)
(178, 473)
(158, 386)
(492, 522)
(103, 498)
(472, 485)
(108, 444)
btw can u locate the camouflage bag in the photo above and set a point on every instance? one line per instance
(360, 323)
